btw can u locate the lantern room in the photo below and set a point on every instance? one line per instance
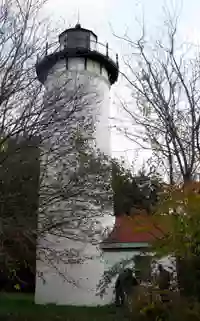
(78, 38)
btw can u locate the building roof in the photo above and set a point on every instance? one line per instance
(139, 228)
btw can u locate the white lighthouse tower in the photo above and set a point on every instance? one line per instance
(77, 80)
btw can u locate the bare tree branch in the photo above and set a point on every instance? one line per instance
(165, 87)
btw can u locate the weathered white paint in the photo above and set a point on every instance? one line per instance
(71, 284)
(75, 64)
(93, 96)
(92, 90)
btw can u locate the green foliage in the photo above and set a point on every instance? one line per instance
(133, 191)
(19, 182)
(179, 210)
(124, 188)
(146, 305)
(179, 213)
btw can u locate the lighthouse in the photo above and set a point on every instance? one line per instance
(77, 78)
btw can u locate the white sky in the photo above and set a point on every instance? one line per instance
(104, 16)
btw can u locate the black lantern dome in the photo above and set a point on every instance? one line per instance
(78, 42)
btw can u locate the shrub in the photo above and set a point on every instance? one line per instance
(145, 304)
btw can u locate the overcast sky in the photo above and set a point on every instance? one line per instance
(120, 16)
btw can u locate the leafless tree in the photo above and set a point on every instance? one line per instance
(164, 80)
(50, 134)
(20, 97)
(164, 117)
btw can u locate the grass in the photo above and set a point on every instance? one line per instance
(18, 307)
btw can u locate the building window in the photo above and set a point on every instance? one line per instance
(143, 267)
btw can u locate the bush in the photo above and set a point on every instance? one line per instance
(145, 304)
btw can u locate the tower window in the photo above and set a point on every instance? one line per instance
(101, 69)
(65, 41)
(78, 39)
